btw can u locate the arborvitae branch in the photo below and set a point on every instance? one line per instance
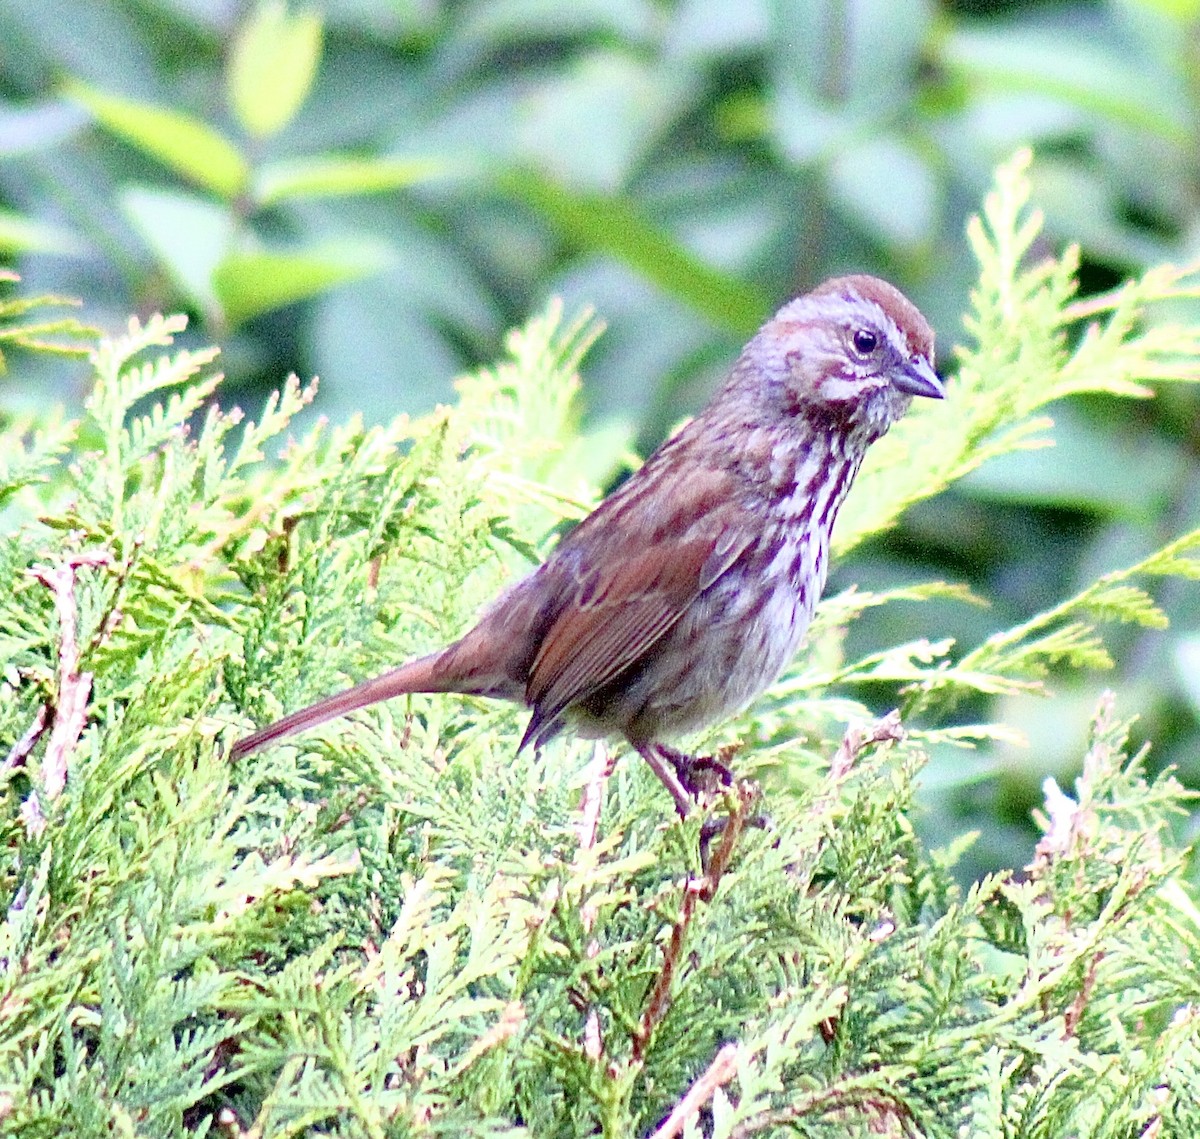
(396, 925)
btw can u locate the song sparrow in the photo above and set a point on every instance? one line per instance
(685, 593)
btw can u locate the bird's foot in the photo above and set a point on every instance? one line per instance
(699, 774)
(692, 779)
(702, 779)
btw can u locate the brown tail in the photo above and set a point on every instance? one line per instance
(420, 675)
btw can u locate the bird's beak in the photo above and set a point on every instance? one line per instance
(917, 377)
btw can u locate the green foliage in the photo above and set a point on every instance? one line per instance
(372, 191)
(1019, 366)
(63, 335)
(1029, 351)
(396, 926)
(691, 163)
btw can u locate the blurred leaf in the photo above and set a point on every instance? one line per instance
(1087, 468)
(841, 70)
(869, 50)
(378, 354)
(1001, 121)
(272, 67)
(1084, 74)
(326, 176)
(613, 225)
(422, 269)
(188, 235)
(188, 146)
(741, 116)
(20, 234)
(708, 28)
(91, 41)
(1181, 10)
(39, 127)
(393, 341)
(805, 127)
(655, 343)
(1187, 669)
(590, 124)
(887, 186)
(499, 24)
(1081, 202)
(249, 284)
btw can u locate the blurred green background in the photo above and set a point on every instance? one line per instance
(374, 190)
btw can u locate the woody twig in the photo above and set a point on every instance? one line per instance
(74, 687)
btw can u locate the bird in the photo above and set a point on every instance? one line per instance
(687, 591)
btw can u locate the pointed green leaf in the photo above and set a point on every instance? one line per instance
(249, 284)
(337, 176)
(188, 234)
(191, 148)
(272, 67)
(612, 224)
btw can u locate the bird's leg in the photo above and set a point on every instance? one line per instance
(710, 773)
(686, 777)
(665, 767)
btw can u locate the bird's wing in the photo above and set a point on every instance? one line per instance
(667, 550)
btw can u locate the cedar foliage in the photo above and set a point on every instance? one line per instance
(395, 926)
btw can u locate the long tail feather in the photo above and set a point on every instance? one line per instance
(420, 675)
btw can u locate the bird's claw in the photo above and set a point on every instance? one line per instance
(696, 779)
(698, 774)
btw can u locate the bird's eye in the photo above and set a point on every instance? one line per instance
(865, 341)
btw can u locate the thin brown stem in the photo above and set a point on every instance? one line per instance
(21, 749)
(695, 890)
(592, 799)
(74, 687)
(887, 1115)
(586, 830)
(719, 1072)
